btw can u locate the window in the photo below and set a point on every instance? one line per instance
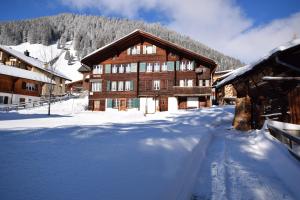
(156, 84)
(97, 69)
(190, 66)
(96, 87)
(181, 83)
(113, 86)
(121, 69)
(203, 83)
(114, 69)
(164, 67)
(182, 66)
(207, 82)
(128, 68)
(133, 67)
(134, 50)
(120, 86)
(149, 49)
(115, 103)
(149, 67)
(156, 67)
(1, 99)
(30, 87)
(127, 86)
(186, 83)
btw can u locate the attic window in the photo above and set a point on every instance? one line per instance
(149, 49)
(135, 50)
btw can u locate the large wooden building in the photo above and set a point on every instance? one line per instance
(268, 88)
(146, 72)
(24, 79)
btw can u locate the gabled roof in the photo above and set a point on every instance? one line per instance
(84, 68)
(134, 37)
(243, 71)
(32, 61)
(22, 73)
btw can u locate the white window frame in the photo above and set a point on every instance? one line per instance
(120, 86)
(181, 83)
(98, 69)
(114, 69)
(156, 67)
(189, 83)
(133, 51)
(96, 86)
(149, 50)
(182, 66)
(114, 86)
(164, 67)
(207, 83)
(127, 85)
(190, 66)
(138, 49)
(121, 69)
(156, 84)
(149, 67)
(128, 66)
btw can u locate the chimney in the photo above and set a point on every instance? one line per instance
(26, 53)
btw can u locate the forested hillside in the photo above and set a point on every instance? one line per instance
(91, 32)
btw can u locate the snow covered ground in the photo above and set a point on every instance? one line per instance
(77, 154)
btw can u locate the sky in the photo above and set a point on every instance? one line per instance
(245, 29)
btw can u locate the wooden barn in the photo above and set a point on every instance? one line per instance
(148, 73)
(268, 88)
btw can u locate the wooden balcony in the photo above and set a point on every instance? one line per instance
(191, 91)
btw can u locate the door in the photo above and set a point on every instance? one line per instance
(96, 105)
(122, 106)
(6, 100)
(182, 102)
(163, 104)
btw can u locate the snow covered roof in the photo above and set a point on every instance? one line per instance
(22, 73)
(32, 61)
(139, 32)
(247, 68)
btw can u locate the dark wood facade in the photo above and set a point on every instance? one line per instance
(268, 89)
(165, 61)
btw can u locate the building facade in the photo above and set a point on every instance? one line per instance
(148, 73)
(24, 79)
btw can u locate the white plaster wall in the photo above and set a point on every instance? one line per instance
(148, 104)
(16, 97)
(172, 104)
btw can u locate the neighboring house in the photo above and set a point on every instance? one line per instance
(80, 85)
(25, 79)
(268, 88)
(225, 94)
(145, 72)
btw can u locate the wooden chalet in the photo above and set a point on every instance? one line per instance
(146, 72)
(24, 79)
(269, 88)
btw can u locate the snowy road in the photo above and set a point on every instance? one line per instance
(84, 155)
(235, 169)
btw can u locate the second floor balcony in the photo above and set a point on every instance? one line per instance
(191, 91)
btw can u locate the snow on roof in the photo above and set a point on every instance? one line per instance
(22, 73)
(32, 61)
(242, 70)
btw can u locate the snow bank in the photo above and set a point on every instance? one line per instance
(283, 163)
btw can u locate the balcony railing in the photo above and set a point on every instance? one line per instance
(193, 91)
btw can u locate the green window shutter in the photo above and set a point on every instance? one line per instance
(136, 103)
(193, 64)
(170, 66)
(131, 85)
(142, 67)
(107, 68)
(109, 103)
(133, 67)
(108, 86)
(177, 65)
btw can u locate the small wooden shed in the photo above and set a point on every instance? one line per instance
(268, 88)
